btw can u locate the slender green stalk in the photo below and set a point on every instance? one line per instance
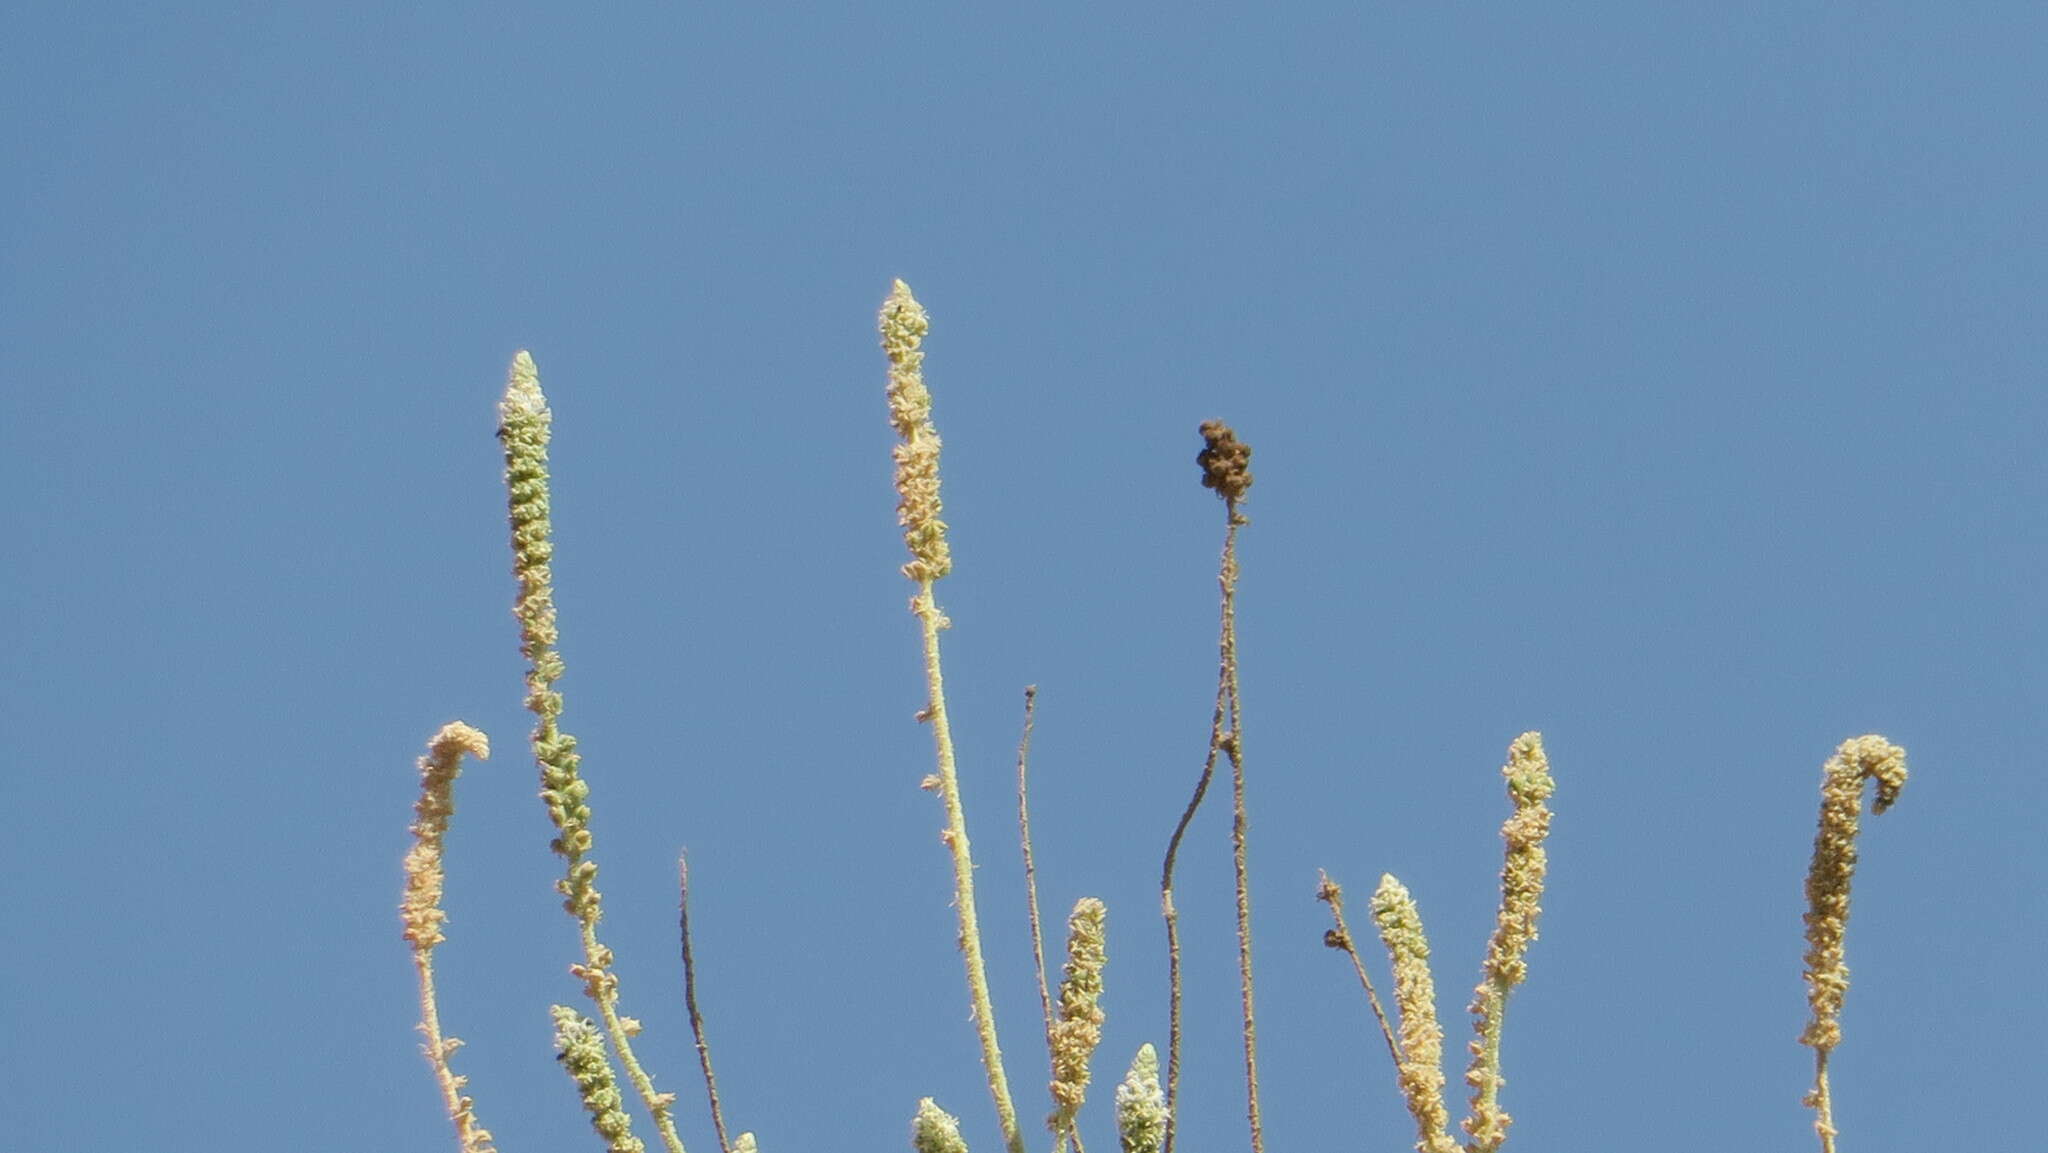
(1827, 899)
(903, 327)
(423, 916)
(1521, 895)
(524, 427)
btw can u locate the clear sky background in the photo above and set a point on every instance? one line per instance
(1669, 379)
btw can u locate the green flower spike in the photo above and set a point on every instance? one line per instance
(935, 1130)
(580, 1049)
(1141, 1105)
(524, 422)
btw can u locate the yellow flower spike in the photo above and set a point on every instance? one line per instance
(1079, 1028)
(903, 326)
(1827, 899)
(1422, 1038)
(1521, 896)
(423, 917)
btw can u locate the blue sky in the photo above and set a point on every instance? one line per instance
(1667, 379)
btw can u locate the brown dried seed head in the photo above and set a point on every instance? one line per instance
(1226, 461)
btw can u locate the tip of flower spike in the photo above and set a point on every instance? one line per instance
(1146, 1063)
(522, 389)
(903, 323)
(457, 737)
(935, 1131)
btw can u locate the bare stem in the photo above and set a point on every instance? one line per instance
(1340, 938)
(1226, 467)
(1172, 915)
(690, 1000)
(1233, 746)
(1030, 866)
(1031, 886)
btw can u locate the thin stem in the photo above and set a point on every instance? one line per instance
(1172, 915)
(460, 1111)
(1226, 467)
(620, 1028)
(1233, 746)
(1340, 938)
(690, 1001)
(1823, 1102)
(1030, 866)
(1031, 891)
(955, 836)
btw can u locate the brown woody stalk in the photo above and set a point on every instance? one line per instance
(1226, 467)
(1331, 893)
(690, 1001)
